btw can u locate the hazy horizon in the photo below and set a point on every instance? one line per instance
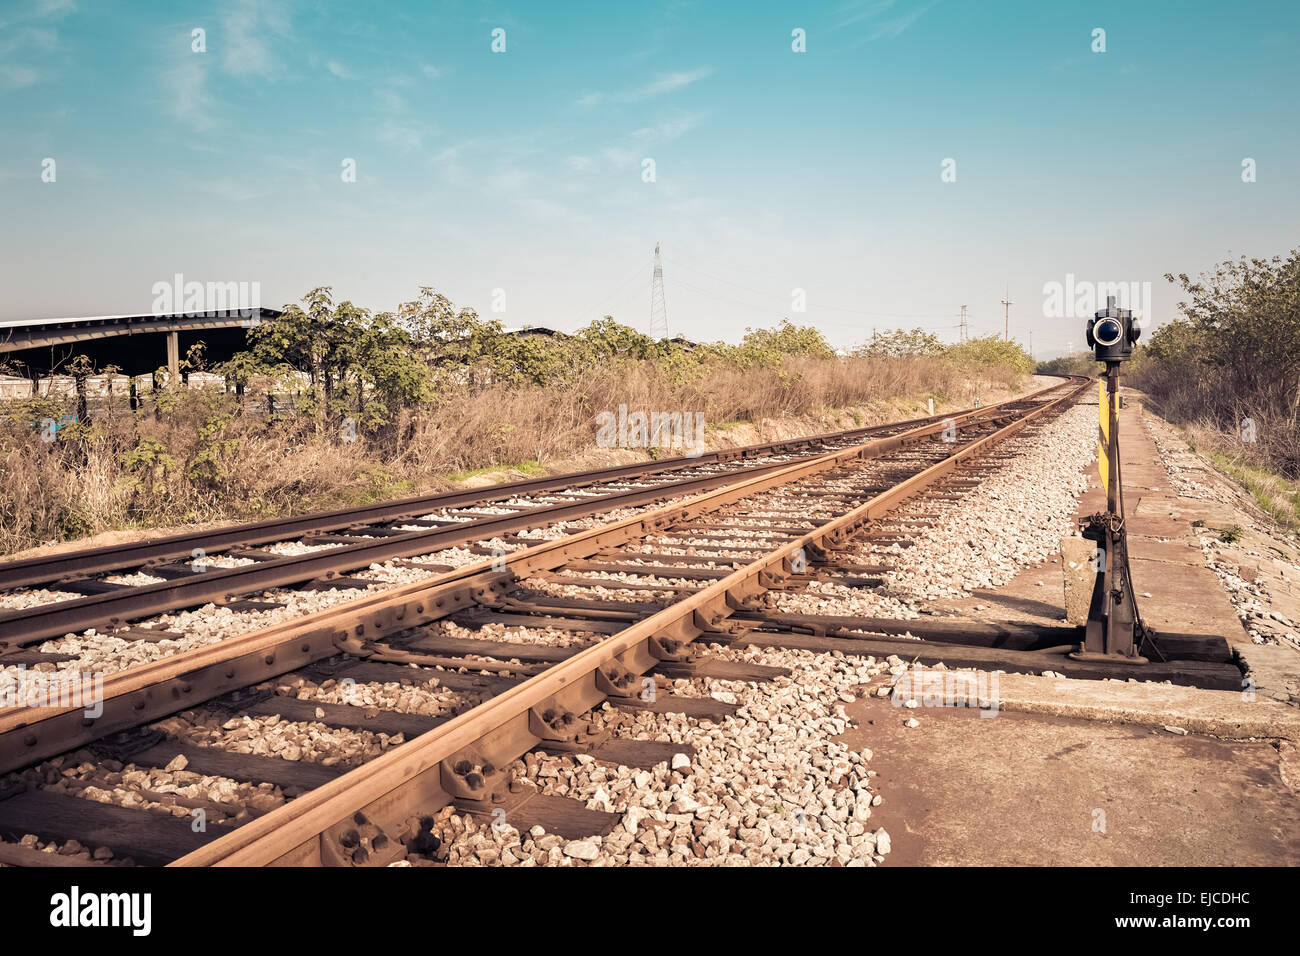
(523, 172)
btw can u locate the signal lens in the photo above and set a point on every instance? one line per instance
(1107, 332)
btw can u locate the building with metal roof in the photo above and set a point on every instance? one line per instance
(135, 344)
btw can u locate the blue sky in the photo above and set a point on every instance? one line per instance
(522, 170)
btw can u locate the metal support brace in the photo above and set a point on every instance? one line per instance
(1114, 632)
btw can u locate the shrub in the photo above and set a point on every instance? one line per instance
(332, 404)
(1231, 362)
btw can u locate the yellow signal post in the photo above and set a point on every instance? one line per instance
(1103, 436)
(1114, 632)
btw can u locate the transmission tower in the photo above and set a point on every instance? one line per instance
(965, 329)
(1006, 315)
(658, 311)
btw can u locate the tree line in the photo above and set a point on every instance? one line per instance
(367, 366)
(1231, 359)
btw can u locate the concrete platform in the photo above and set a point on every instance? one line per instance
(1164, 555)
(1035, 790)
(1084, 772)
(1225, 714)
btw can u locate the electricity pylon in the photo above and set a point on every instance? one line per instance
(658, 310)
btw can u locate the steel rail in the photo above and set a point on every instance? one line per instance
(159, 688)
(221, 585)
(43, 569)
(421, 775)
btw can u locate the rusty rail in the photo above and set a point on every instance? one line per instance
(44, 569)
(112, 609)
(428, 772)
(151, 691)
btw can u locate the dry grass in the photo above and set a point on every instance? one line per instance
(203, 458)
(1208, 399)
(1252, 468)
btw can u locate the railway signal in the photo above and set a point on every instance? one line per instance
(1112, 333)
(1114, 632)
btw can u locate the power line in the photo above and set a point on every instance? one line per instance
(707, 293)
(595, 308)
(721, 298)
(824, 308)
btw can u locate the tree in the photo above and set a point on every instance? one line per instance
(304, 339)
(899, 343)
(609, 339)
(991, 350)
(767, 347)
(1244, 319)
(455, 342)
(385, 369)
(1073, 363)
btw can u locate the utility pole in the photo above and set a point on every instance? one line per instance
(964, 329)
(1006, 315)
(658, 310)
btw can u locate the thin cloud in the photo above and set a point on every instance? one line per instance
(662, 84)
(189, 99)
(450, 154)
(14, 76)
(19, 41)
(339, 70)
(632, 149)
(404, 135)
(620, 157)
(509, 181)
(665, 131)
(390, 101)
(30, 38)
(669, 83)
(50, 8)
(250, 27)
(232, 190)
(397, 127)
(883, 19)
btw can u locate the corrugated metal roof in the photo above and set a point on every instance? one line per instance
(143, 316)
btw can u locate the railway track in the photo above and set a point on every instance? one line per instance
(108, 588)
(336, 739)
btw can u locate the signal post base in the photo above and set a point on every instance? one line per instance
(1098, 657)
